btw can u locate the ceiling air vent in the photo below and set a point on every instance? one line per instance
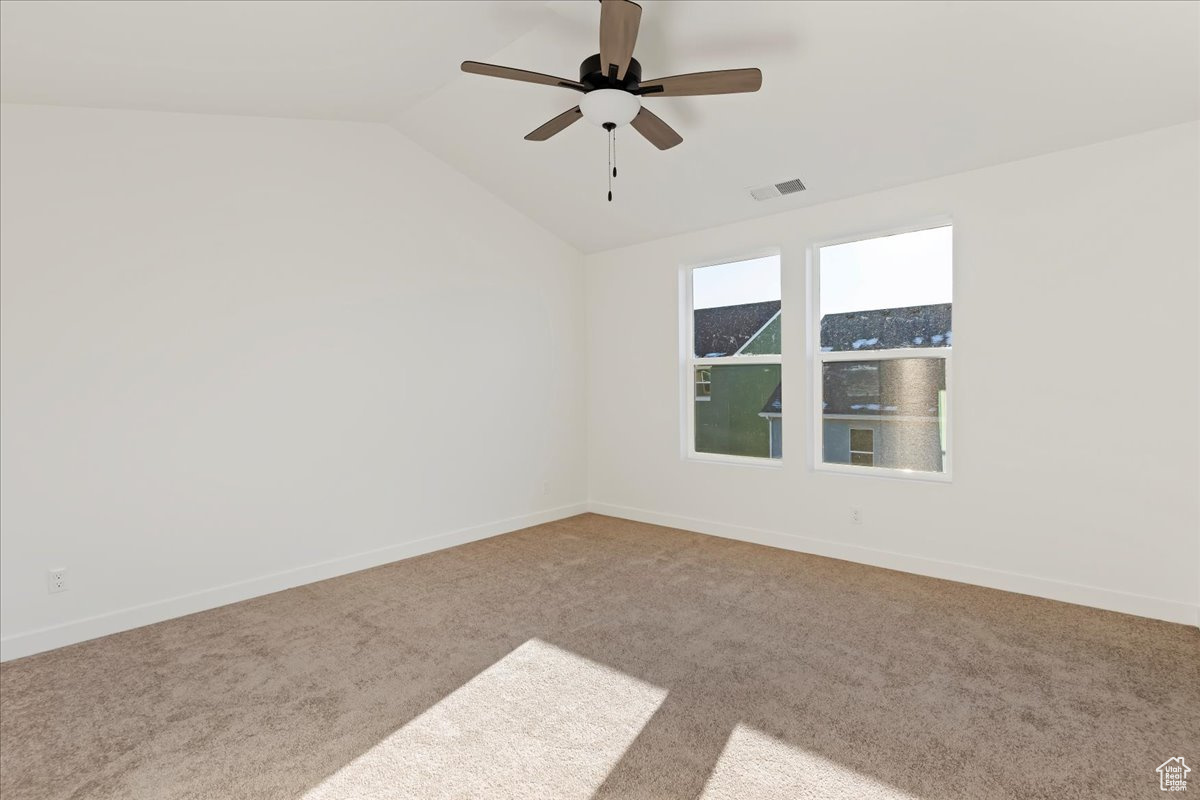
(774, 190)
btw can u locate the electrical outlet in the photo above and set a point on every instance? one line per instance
(56, 581)
(856, 516)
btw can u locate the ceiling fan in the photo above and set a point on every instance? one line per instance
(612, 85)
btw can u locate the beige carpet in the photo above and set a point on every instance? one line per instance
(601, 658)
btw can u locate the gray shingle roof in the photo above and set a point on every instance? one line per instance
(774, 404)
(887, 328)
(722, 331)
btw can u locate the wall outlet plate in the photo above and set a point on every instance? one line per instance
(56, 581)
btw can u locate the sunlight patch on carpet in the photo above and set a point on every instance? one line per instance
(754, 764)
(541, 722)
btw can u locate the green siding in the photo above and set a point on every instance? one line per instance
(729, 422)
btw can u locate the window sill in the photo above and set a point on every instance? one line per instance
(883, 472)
(735, 461)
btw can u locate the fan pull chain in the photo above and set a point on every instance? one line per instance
(612, 155)
(611, 168)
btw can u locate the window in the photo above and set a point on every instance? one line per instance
(883, 325)
(733, 361)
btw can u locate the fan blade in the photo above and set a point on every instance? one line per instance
(723, 81)
(555, 125)
(660, 134)
(619, 21)
(491, 70)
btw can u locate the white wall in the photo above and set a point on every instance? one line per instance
(241, 354)
(1076, 435)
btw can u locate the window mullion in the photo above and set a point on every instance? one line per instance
(884, 355)
(733, 360)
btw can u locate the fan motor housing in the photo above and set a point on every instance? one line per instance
(591, 76)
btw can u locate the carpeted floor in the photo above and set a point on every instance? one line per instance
(596, 657)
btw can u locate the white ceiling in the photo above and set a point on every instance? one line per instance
(857, 96)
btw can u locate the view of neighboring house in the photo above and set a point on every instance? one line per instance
(886, 413)
(876, 413)
(772, 412)
(728, 395)
(726, 330)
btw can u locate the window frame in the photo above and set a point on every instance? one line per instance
(690, 362)
(818, 359)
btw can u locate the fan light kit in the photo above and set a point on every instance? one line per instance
(610, 105)
(613, 89)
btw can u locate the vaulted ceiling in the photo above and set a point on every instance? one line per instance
(857, 96)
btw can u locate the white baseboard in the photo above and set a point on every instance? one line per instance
(1107, 599)
(37, 641)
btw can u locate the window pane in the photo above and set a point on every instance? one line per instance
(862, 459)
(736, 308)
(888, 292)
(897, 403)
(743, 416)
